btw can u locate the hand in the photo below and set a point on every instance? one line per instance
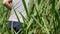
(7, 4)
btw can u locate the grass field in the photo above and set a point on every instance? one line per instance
(43, 17)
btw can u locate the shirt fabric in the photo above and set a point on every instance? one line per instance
(18, 6)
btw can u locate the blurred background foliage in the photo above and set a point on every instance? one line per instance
(43, 17)
(3, 19)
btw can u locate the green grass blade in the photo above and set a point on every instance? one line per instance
(18, 19)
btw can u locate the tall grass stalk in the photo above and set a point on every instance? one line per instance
(42, 17)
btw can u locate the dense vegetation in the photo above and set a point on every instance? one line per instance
(43, 17)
